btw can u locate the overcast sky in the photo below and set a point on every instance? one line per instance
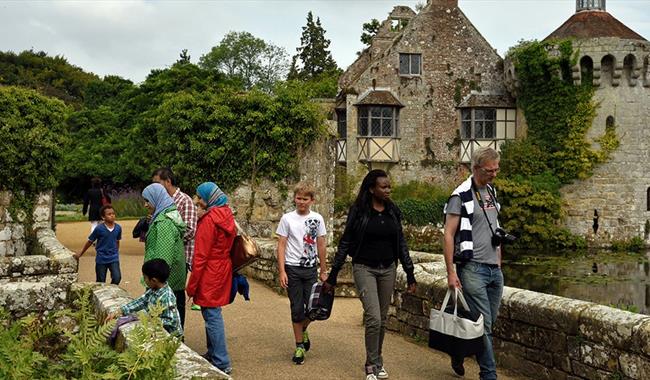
(131, 37)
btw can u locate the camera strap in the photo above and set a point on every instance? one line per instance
(479, 199)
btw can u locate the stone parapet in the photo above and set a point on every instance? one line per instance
(539, 335)
(107, 298)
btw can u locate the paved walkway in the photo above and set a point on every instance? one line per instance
(259, 332)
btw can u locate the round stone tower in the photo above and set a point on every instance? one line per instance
(615, 59)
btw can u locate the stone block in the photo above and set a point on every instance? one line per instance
(34, 265)
(18, 232)
(547, 311)
(599, 356)
(5, 234)
(634, 366)
(412, 304)
(586, 372)
(609, 326)
(530, 336)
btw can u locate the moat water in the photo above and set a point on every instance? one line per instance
(615, 279)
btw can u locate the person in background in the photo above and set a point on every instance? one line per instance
(165, 240)
(107, 236)
(94, 199)
(374, 239)
(211, 277)
(185, 207)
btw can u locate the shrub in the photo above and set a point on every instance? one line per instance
(71, 344)
(128, 204)
(421, 203)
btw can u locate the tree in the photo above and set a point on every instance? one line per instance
(247, 59)
(184, 57)
(370, 29)
(313, 52)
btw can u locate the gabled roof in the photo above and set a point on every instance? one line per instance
(593, 24)
(379, 97)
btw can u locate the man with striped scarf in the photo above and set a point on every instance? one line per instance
(471, 217)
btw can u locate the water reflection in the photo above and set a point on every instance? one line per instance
(615, 279)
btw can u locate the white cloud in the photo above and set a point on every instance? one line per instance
(130, 38)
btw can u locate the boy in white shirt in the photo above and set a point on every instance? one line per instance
(300, 248)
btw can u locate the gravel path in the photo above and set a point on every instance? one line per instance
(259, 332)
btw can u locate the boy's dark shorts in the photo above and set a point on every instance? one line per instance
(299, 289)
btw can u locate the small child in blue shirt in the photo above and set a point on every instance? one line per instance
(107, 235)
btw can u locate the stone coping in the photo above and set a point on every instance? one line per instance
(108, 298)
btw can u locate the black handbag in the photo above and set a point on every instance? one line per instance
(320, 303)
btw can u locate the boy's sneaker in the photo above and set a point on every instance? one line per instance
(370, 372)
(299, 355)
(382, 374)
(305, 340)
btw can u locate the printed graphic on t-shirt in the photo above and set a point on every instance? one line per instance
(489, 202)
(310, 252)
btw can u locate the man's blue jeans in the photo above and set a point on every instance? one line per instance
(114, 267)
(483, 287)
(216, 337)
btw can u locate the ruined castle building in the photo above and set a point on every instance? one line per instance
(428, 91)
(615, 59)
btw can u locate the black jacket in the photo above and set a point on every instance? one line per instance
(355, 230)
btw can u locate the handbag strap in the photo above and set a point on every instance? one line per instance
(239, 229)
(458, 295)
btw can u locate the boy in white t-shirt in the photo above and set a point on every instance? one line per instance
(300, 248)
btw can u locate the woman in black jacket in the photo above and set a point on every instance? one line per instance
(374, 239)
(94, 199)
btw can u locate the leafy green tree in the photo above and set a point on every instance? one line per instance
(247, 59)
(315, 58)
(32, 139)
(370, 29)
(51, 76)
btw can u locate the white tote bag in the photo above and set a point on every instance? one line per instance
(457, 335)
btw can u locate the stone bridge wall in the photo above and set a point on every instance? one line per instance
(38, 280)
(539, 335)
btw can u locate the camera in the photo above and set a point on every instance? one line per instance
(500, 236)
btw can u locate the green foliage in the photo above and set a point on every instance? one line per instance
(313, 53)
(370, 29)
(32, 134)
(532, 208)
(248, 60)
(421, 203)
(51, 76)
(634, 244)
(555, 151)
(32, 139)
(71, 344)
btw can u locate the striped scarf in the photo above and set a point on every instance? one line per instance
(464, 244)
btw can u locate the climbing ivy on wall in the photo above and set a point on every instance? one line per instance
(32, 137)
(556, 150)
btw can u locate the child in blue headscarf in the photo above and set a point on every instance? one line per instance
(165, 240)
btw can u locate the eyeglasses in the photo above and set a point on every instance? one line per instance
(490, 171)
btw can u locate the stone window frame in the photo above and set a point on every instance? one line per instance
(410, 72)
(379, 113)
(341, 124)
(470, 120)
